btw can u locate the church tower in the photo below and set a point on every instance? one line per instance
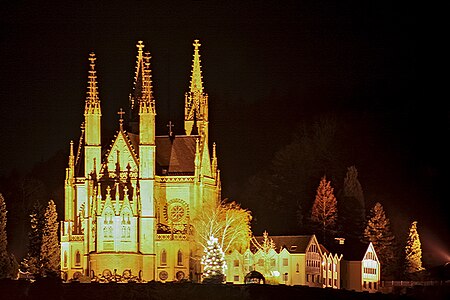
(147, 153)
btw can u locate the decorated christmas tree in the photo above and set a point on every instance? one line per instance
(213, 261)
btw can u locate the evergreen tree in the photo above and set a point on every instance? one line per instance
(32, 262)
(378, 231)
(5, 263)
(413, 252)
(351, 206)
(213, 261)
(50, 251)
(324, 210)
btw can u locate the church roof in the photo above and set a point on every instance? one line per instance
(176, 155)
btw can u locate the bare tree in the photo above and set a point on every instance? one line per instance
(228, 222)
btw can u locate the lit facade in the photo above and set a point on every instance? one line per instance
(129, 202)
(360, 268)
(296, 260)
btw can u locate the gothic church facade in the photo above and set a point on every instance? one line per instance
(129, 203)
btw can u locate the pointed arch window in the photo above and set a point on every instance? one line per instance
(126, 225)
(163, 257)
(65, 259)
(180, 258)
(108, 232)
(77, 258)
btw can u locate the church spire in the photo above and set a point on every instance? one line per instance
(92, 121)
(142, 94)
(196, 100)
(92, 100)
(196, 75)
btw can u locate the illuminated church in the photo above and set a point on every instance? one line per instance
(128, 203)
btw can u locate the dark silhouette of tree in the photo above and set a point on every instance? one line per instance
(32, 262)
(413, 253)
(6, 260)
(378, 231)
(324, 210)
(50, 250)
(282, 194)
(351, 205)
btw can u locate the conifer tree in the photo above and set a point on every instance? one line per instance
(324, 210)
(213, 261)
(413, 252)
(351, 206)
(378, 231)
(50, 250)
(5, 265)
(32, 262)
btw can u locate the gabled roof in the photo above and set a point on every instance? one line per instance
(292, 243)
(176, 155)
(352, 250)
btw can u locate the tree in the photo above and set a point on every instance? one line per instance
(266, 246)
(213, 261)
(413, 252)
(229, 222)
(324, 210)
(50, 250)
(378, 231)
(282, 194)
(32, 262)
(6, 259)
(351, 206)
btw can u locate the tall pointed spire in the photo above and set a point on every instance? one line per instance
(142, 94)
(196, 75)
(92, 121)
(92, 99)
(196, 100)
(147, 102)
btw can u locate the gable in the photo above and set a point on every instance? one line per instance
(121, 152)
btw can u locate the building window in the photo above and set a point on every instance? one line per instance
(329, 281)
(370, 285)
(180, 258)
(65, 259)
(297, 268)
(108, 225)
(272, 262)
(236, 278)
(126, 225)
(307, 277)
(236, 263)
(318, 278)
(335, 282)
(364, 284)
(312, 277)
(77, 258)
(285, 262)
(375, 285)
(163, 257)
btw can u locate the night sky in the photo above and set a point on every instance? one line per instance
(266, 66)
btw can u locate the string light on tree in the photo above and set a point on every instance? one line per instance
(213, 261)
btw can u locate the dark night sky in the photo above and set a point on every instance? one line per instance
(347, 57)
